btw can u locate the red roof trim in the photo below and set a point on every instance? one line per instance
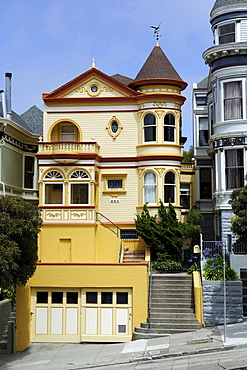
(79, 79)
(159, 81)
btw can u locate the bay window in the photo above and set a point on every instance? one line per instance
(150, 188)
(233, 106)
(169, 187)
(226, 33)
(149, 127)
(53, 187)
(169, 127)
(234, 168)
(79, 187)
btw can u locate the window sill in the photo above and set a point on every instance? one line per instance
(114, 193)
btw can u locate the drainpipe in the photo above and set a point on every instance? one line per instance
(8, 94)
(3, 104)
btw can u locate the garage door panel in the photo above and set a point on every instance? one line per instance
(41, 320)
(71, 320)
(56, 320)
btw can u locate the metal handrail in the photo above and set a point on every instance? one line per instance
(118, 228)
(150, 294)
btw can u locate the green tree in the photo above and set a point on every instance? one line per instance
(238, 201)
(192, 228)
(20, 224)
(188, 155)
(163, 232)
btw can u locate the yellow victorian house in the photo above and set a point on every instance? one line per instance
(110, 144)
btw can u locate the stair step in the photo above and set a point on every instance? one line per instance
(173, 316)
(139, 335)
(165, 331)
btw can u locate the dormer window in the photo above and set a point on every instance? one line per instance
(226, 33)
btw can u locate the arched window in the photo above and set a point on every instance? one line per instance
(53, 185)
(169, 127)
(169, 187)
(79, 187)
(65, 131)
(150, 188)
(149, 127)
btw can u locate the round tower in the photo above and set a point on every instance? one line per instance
(227, 60)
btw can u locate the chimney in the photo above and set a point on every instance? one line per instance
(8, 94)
(3, 103)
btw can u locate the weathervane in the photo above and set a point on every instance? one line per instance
(156, 31)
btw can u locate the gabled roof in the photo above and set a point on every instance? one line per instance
(34, 118)
(219, 3)
(123, 79)
(93, 72)
(158, 66)
(203, 84)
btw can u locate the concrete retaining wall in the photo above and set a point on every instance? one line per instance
(213, 302)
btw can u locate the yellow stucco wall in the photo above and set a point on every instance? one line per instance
(83, 276)
(23, 317)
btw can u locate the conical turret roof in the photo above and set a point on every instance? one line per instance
(157, 66)
(219, 3)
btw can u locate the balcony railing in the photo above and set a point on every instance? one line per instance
(68, 147)
(190, 165)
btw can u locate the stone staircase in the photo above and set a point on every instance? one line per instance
(7, 342)
(172, 307)
(133, 256)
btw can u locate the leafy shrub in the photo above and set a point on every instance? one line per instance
(168, 265)
(213, 270)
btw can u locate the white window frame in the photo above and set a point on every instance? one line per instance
(53, 181)
(217, 38)
(79, 181)
(243, 81)
(146, 185)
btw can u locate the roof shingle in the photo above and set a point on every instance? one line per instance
(219, 3)
(157, 65)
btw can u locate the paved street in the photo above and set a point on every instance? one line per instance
(202, 349)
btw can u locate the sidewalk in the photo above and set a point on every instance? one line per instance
(61, 356)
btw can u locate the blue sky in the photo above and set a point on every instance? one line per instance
(46, 43)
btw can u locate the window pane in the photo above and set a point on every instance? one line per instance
(233, 100)
(169, 119)
(42, 297)
(169, 133)
(91, 297)
(170, 178)
(150, 133)
(205, 183)
(57, 297)
(53, 193)
(72, 297)
(29, 172)
(234, 168)
(68, 133)
(79, 194)
(122, 298)
(227, 33)
(114, 184)
(149, 127)
(169, 194)
(185, 195)
(150, 188)
(106, 297)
